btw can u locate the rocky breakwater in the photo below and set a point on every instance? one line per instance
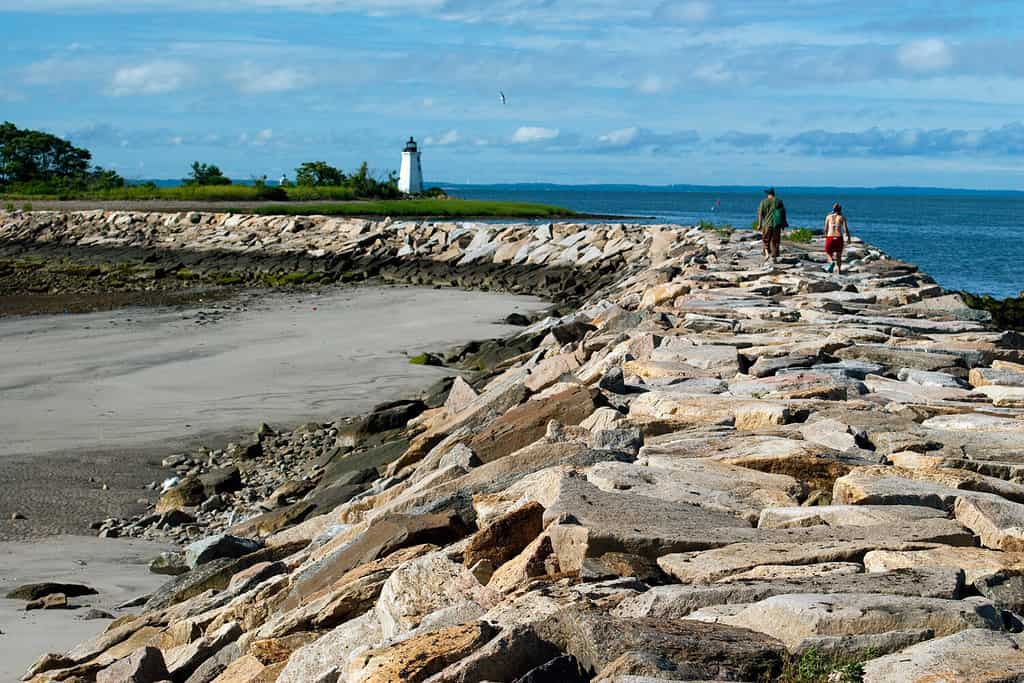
(711, 469)
(100, 251)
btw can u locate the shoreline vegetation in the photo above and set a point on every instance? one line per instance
(39, 167)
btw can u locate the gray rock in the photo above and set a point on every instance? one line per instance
(169, 564)
(796, 618)
(221, 546)
(688, 649)
(677, 601)
(970, 656)
(145, 665)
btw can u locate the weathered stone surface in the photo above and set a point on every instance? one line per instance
(677, 601)
(517, 651)
(416, 659)
(35, 591)
(183, 661)
(636, 524)
(998, 523)
(844, 515)
(222, 546)
(974, 562)
(331, 651)
(799, 619)
(145, 665)
(704, 483)
(682, 410)
(426, 585)
(982, 377)
(505, 537)
(525, 424)
(970, 656)
(384, 536)
(190, 492)
(690, 650)
(932, 487)
(809, 545)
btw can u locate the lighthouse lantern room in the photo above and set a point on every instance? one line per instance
(410, 180)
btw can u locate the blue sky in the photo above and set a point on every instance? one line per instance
(811, 92)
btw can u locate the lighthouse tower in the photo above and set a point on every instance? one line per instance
(410, 180)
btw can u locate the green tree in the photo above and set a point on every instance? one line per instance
(319, 174)
(206, 174)
(31, 156)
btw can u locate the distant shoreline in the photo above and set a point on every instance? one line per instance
(400, 208)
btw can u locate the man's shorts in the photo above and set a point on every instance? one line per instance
(833, 245)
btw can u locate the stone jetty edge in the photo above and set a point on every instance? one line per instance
(707, 468)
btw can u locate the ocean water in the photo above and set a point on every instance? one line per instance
(965, 240)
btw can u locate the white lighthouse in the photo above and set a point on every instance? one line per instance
(410, 180)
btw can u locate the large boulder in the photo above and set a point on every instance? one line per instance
(526, 423)
(827, 622)
(676, 601)
(970, 656)
(426, 585)
(689, 650)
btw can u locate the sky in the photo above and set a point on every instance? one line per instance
(783, 92)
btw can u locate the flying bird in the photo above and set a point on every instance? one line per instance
(503, 99)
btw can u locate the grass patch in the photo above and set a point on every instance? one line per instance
(295, 278)
(802, 235)
(228, 279)
(724, 230)
(185, 274)
(450, 208)
(814, 667)
(425, 359)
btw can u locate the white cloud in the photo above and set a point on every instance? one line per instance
(651, 85)
(691, 12)
(263, 137)
(152, 78)
(713, 73)
(527, 134)
(448, 138)
(624, 136)
(253, 79)
(930, 54)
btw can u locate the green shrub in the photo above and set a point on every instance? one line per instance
(802, 235)
(814, 667)
(27, 206)
(1007, 314)
(9, 207)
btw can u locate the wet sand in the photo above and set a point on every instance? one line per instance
(94, 399)
(115, 568)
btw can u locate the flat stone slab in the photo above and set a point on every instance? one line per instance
(845, 515)
(976, 563)
(970, 656)
(690, 650)
(638, 524)
(800, 620)
(676, 601)
(982, 377)
(705, 483)
(931, 487)
(686, 410)
(998, 523)
(811, 545)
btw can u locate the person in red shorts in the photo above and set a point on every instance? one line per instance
(835, 229)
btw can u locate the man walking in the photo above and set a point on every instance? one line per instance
(771, 219)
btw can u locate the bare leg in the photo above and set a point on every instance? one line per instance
(839, 262)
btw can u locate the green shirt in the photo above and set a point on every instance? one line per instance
(765, 208)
